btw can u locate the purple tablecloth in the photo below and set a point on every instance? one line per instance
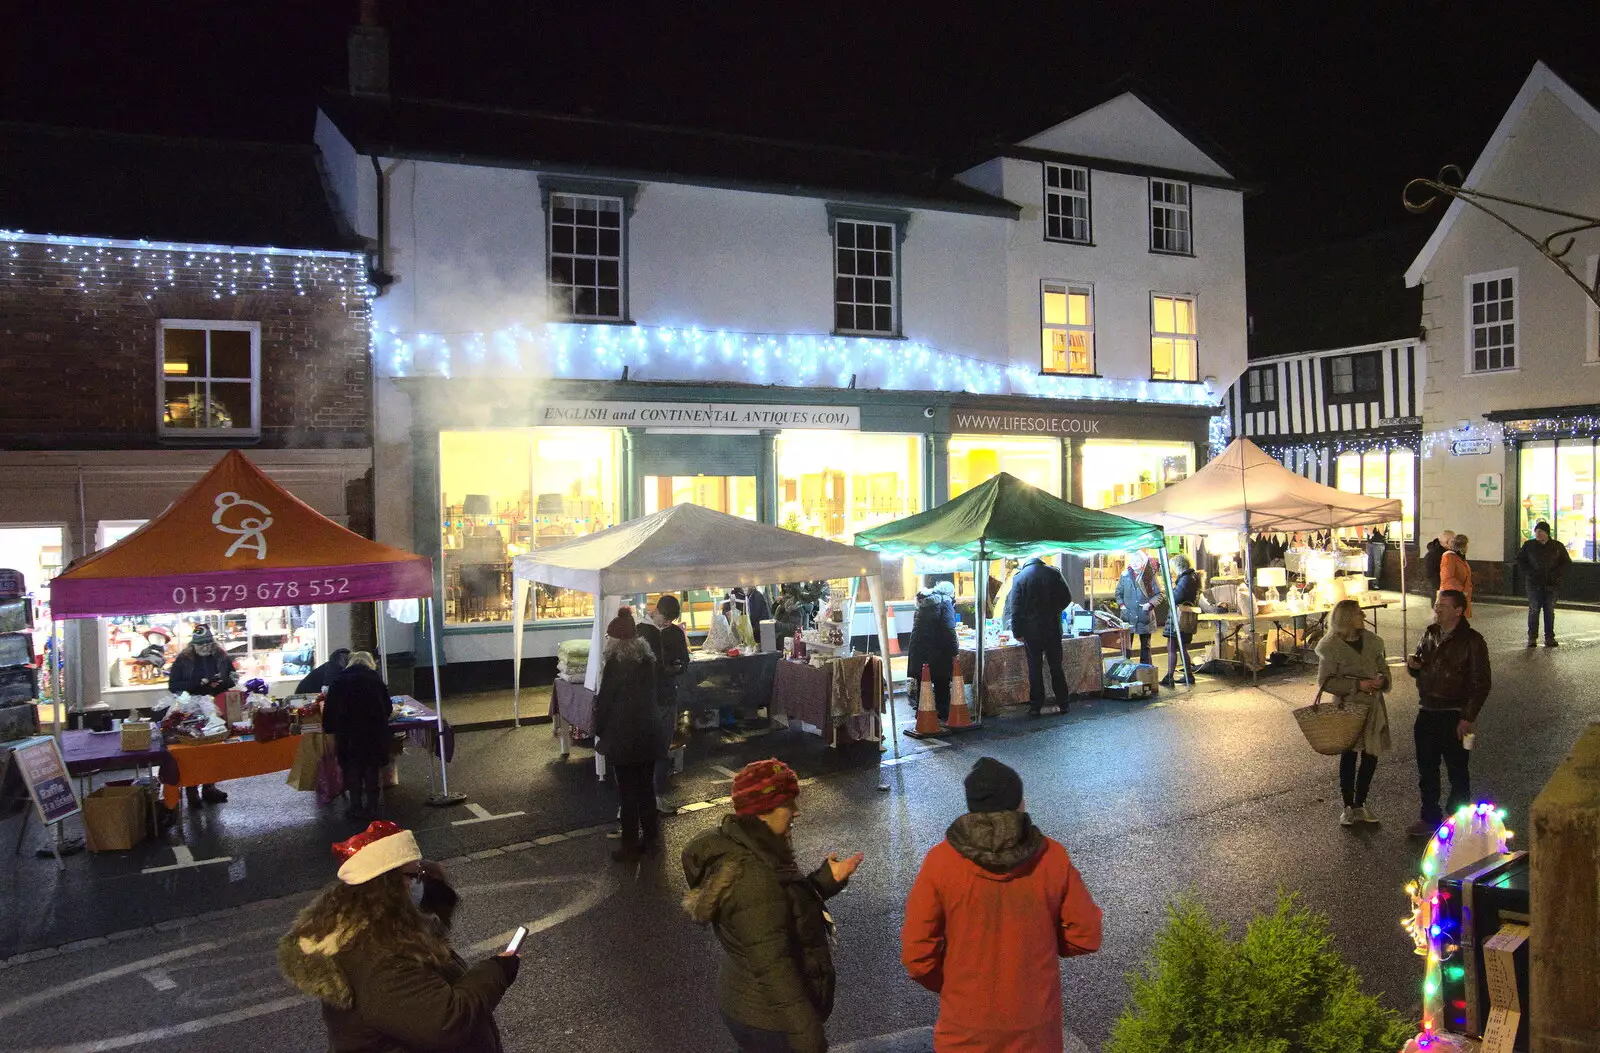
(574, 703)
(87, 752)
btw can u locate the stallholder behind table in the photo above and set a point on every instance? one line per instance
(202, 668)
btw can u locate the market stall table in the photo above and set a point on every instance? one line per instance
(808, 693)
(1005, 667)
(1228, 626)
(183, 764)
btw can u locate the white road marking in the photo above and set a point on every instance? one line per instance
(729, 772)
(480, 814)
(186, 860)
(158, 979)
(600, 886)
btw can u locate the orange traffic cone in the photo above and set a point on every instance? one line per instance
(960, 712)
(927, 714)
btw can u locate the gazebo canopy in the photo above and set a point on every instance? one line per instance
(1006, 518)
(236, 539)
(689, 547)
(1243, 490)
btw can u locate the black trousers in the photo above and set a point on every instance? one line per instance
(1355, 778)
(361, 782)
(1144, 648)
(1437, 740)
(641, 825)
(941, 695)
(1039, 652)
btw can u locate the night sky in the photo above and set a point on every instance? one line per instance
(1330, 110)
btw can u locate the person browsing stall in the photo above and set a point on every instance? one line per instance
(1038, 596)
(357, 716)
(671, 646)
(202, 668)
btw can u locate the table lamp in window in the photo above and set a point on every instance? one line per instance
(476, 505)
(1274, 578)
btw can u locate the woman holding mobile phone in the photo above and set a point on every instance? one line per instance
(374, 950)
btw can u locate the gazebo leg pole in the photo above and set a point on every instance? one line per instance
(980, 583)
(444, 797)
(378, 616)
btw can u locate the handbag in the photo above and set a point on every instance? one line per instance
(1188, 621)
(1332, 729)
(330, 778)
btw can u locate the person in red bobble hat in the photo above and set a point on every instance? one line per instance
(629, 734)
(374, 949)
(776, 986)
(994, 906)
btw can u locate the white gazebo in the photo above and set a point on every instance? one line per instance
(1244, 491)
(684, 547)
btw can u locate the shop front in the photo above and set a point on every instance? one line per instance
(1552, 458)
(516, 469)
(84, 502)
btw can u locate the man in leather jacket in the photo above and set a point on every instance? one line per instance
(1451, 668)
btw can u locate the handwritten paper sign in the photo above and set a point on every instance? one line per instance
(45, 774)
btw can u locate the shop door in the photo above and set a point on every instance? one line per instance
(712, 471)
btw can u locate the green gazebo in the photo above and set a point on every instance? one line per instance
(1006, 518)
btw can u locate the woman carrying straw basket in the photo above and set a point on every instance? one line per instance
(1353, 667)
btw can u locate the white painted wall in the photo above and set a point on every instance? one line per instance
(1124, 272)
(1552, 158)
(1125, 129)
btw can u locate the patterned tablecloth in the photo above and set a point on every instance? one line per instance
(573, 703)
(1005, 668)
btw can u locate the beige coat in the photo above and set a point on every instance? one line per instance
(1337, 659)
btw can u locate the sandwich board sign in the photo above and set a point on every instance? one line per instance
(44, 772)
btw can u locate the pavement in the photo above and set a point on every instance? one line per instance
(1211, 791)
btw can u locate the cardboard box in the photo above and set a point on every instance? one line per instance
(115, 818)
(135, 735)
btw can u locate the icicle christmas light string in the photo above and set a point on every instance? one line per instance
(217, 270)
(600, 352)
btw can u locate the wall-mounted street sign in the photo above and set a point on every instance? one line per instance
(1471, 447)
(1399, 422)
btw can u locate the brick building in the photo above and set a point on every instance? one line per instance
(162, 300)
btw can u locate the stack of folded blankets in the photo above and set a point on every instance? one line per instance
(572, 660)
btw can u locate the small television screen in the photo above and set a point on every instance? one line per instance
(1082, 623)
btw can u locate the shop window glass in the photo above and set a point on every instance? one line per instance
(1574, 520)
(1116, 471)
(1380, 473)
(34, 551)
(510, 491)
(835, 484)
(977, 458)
(733, 494)
(273, 643)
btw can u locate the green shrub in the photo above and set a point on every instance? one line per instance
(1281, 989)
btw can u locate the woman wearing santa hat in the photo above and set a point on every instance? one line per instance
(374, 950)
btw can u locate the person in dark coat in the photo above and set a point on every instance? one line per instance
(1543, 562)
(356, 714)
(628, 732)
(933, 644)
(1185, 591)
(1451, 668)
(382, 967)
(776, 986)
(755, 605)
(1038, 596)
(322, 676)
(671, 646)
(202, 668)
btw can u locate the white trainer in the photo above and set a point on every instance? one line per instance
(1347, 817)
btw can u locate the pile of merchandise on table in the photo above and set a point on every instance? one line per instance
(572, 660)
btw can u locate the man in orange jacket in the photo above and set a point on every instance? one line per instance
(995, 904)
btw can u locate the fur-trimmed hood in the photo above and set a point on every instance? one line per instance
(309, 966)
(635, 650)
(998, 842)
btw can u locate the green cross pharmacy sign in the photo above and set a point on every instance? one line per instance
(1489, 488)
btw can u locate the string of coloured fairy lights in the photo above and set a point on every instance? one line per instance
(1473, 832)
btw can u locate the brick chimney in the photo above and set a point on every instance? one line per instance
(369, 54)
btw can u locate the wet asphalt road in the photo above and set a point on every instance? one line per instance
(1211, 791)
